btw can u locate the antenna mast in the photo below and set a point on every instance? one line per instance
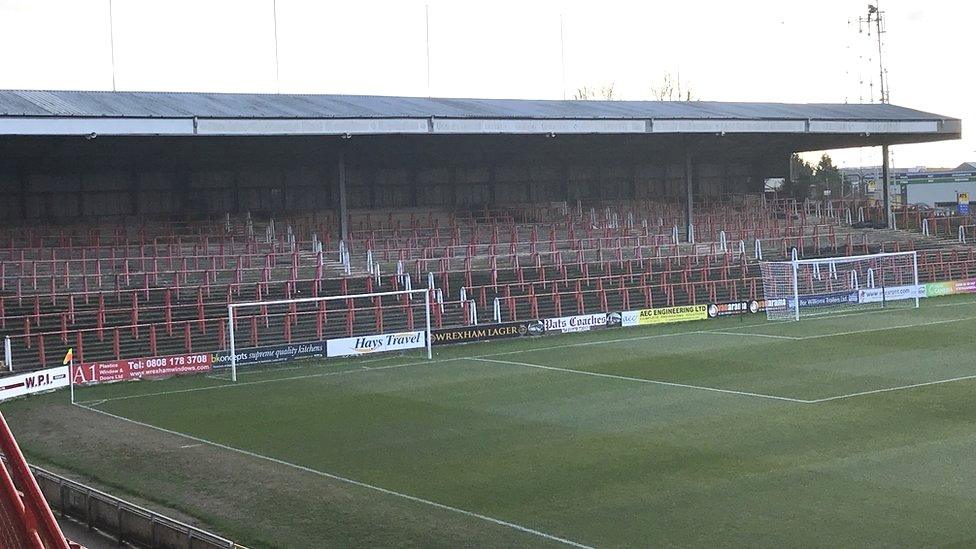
(877, 18)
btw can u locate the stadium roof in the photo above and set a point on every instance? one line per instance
(168, 113)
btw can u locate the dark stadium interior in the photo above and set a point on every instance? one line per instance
(68, 177)
(65, 178)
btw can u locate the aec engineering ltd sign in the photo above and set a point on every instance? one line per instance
(664, 315)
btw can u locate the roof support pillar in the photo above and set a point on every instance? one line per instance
(22, 195)
(343, 211)
(886, 184)
(689, 197)
(492, 187)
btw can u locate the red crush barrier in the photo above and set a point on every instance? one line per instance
(152, 341)
(135, 315)
(379, 314)
(40, 349)
(30, 522)
(187, 337)
(80, 346)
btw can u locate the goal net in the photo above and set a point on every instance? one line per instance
(807, 287)
(343, 326)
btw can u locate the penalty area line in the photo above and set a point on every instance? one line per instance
(347, 480)
(891, 389)
(752, 334)
(264, 381)
(885, 328)
(643, 380)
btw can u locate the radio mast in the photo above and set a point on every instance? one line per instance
(876, 18)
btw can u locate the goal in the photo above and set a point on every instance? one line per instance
(340, 326)
(807, 287)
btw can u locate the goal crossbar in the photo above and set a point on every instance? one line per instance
(782, 282)
(845, 258)
(231, 307)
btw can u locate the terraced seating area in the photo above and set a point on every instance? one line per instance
(127, 290)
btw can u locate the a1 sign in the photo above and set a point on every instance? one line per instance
(125, 370)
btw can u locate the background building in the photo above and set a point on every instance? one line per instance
(935, 187)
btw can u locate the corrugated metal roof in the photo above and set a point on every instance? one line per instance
(34, 103)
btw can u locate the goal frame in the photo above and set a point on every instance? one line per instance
(232, 306)
(796, 263)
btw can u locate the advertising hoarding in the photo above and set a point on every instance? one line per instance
(362, 345)
(664, 315)
(269, 353)
(576, 323)
(486, 332)
(138, 368)
(33, 382)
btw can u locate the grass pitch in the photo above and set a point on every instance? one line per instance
(853, 430)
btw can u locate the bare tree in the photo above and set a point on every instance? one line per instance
(606, 93)
(670, 90)
(583, 94)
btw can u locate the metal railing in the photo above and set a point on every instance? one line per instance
(121, 520)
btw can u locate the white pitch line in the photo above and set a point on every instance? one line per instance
(869, 330)
(890, 389)
(588, 343)
(860, 313)
(519, 351)
(641, 380)
(378, 368)
(245, 372)
(836, 334)
(263, 381)
(753, 334)
(347, 480)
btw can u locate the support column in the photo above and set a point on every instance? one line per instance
(80, 196)
(414, 188)
(564, 182)
(184, 197)
(453, 175)
(133, 193)
(634, 182)
(492, 189)
(343, 211)
(22, 195)
(886, 182)
(689, 195)
(236, 190)
(373, 175)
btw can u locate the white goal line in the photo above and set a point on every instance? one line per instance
(578, 344)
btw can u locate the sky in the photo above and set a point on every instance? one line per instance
(750, 50)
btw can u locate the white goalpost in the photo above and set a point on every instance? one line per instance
(326, 327)
(807, 287)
